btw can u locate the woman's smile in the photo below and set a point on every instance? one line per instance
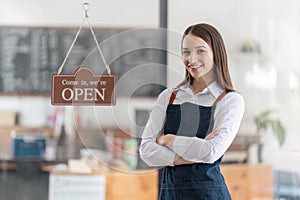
(195, 67)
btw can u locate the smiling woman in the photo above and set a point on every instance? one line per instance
(192, 125)
(198, 56)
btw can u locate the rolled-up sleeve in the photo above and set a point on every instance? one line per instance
(152, 153)
(227, 118)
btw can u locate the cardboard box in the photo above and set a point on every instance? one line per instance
(7, 119)
(5, 142)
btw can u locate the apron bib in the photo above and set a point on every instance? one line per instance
(198, 181)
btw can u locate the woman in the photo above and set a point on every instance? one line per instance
(192, 125)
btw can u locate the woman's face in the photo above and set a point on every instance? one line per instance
(197, 55)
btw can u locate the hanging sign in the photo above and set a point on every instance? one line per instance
(83, 87)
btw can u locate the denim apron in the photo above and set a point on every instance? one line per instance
(198, 181)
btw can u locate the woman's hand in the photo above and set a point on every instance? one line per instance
(211, 135)
(180, 161)
(166, 140)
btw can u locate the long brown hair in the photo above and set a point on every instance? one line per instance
(214, 39)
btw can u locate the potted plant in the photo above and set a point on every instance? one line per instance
(263, 122)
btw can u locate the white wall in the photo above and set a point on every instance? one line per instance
(113, 13)
(32, 111)
(129, 13)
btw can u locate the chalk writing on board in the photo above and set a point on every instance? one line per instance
(29, 57)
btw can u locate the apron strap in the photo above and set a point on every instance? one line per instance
(220, 97)
(173, 95)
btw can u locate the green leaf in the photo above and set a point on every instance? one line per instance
(278, 130)
(261, 124)
(265, 114)
(263, 121)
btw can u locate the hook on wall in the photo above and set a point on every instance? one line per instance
(86, 8)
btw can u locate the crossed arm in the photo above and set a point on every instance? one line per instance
(158, 149)
(167, 140)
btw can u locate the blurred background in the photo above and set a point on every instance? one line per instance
(48, 152)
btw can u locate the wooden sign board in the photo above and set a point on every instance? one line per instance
(83, 88)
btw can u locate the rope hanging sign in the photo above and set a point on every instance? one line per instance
(83, 87)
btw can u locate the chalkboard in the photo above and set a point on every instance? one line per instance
(29, 56)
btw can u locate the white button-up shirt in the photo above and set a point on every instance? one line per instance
(227, 118)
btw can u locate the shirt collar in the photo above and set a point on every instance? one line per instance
(214, 88)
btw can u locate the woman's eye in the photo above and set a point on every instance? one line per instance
(185, 53)
(200, 51)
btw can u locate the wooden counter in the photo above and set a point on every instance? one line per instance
(248, 182)
(124, 185)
